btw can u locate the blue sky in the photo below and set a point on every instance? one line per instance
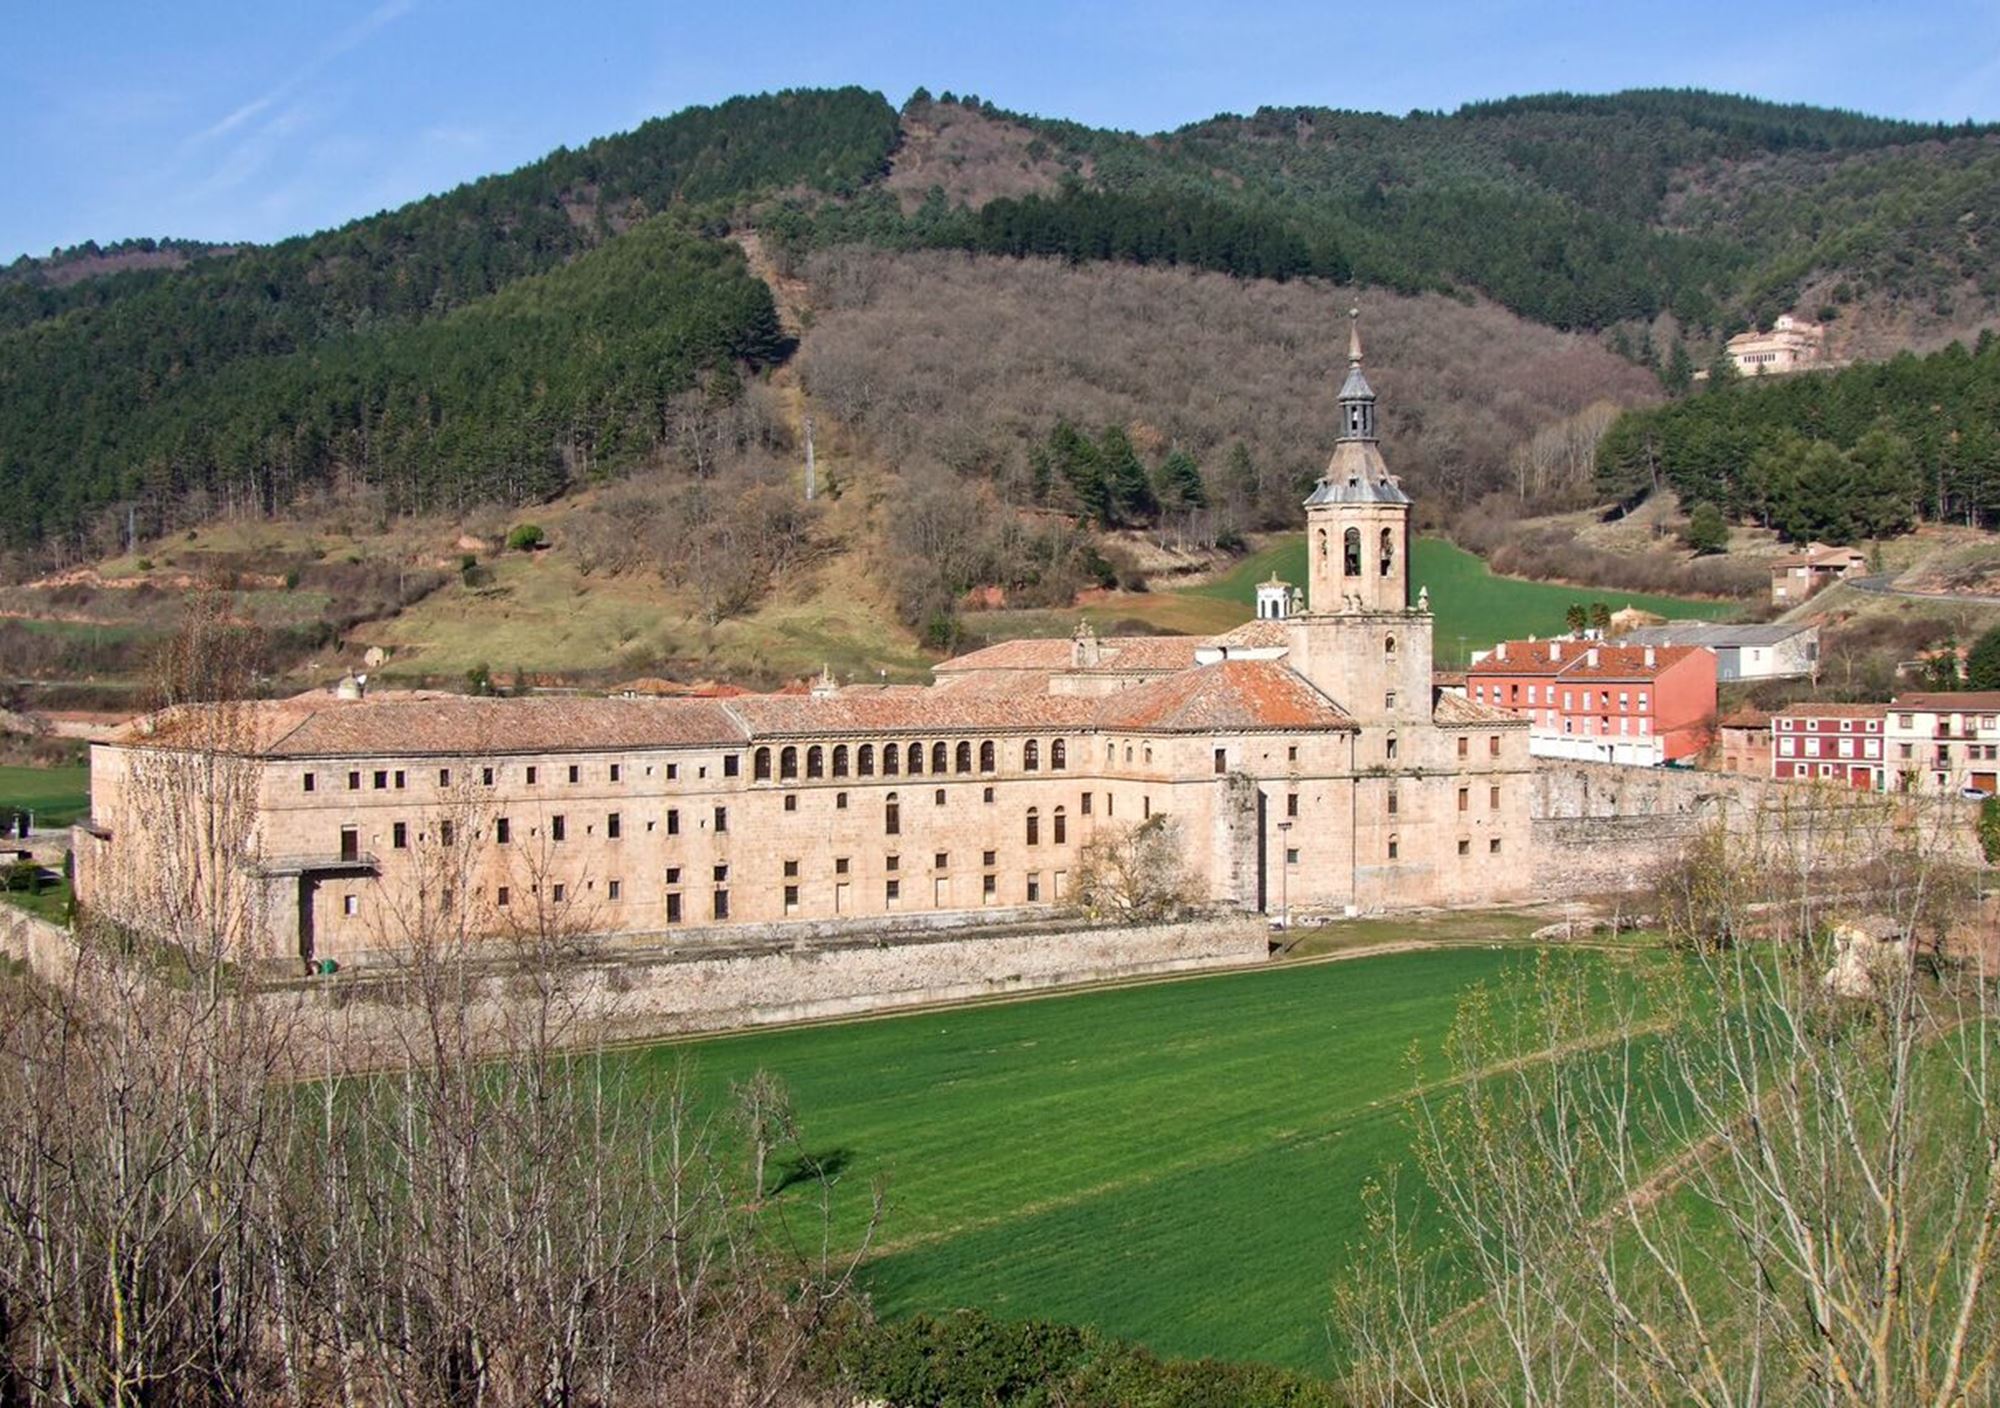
(259, 120)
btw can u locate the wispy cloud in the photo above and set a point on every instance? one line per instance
(344, 42)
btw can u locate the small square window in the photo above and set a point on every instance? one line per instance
(673, 771)
(791, 801)
(381, 779)
(732, 765)
(840, 865)
(350, 904)
(1291, 855)
(722, 874)
(1464, 846)
(1493, 846)
(791, 869)
(941, 861)
(892, 862)
(673, 875)
(987, 857)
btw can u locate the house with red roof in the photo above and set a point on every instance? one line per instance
(1601, 701)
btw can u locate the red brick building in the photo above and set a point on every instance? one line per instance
(1603, 702)
(1838, 743)
(1743, 743)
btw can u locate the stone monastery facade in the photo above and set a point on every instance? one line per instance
(1303, 760)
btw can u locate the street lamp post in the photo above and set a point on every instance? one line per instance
(1285, 874)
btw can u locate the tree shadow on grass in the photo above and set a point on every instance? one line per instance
(810, 1168)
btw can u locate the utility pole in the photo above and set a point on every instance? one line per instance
(812, 487)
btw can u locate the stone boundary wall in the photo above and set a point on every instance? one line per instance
(625, 996)
(44, 947)
(1600, 828)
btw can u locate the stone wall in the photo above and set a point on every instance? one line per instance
(44, 947)
(1599, 827)
(631, 995)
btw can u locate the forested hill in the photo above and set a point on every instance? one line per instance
(475, 345)
(1580, 212)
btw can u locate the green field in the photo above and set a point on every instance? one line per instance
(1178, 1163)
(1473, 608)
(57, 796)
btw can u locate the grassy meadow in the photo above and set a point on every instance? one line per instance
(1179, 1163)
(57, 796)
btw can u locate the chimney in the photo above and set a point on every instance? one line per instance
(1651, 659)
(1590, 657)
(1555, 650)
(1500, 651)
(824, 687)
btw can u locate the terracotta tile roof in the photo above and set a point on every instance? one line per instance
(323, 726)
(1116, 654)
(1255, 635)
(1614, 661)
(911, 711)
(1746, 717)
(1820, 557)
(1831, 711)
(1456, 711)
(1966, 701)
(1228, 695)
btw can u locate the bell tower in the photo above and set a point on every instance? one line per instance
(1358, 518)
(1360, 640)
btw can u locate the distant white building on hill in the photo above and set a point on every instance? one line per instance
(1792, 345)
(1770, 651)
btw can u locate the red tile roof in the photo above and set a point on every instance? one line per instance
(1456, 711)
(1831, 711)
(1228, 695)
(1967, 701)
(1116, 654)
(1614, 661)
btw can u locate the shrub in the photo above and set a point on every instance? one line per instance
(1707, 532)
(1989, 829)
(525, 537)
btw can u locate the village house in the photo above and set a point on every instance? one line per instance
(1743, 743)
(1945, 743)
(1772, 650)
(1798, 575)
(1639, 705)
(1304, 760)
(1843, 744)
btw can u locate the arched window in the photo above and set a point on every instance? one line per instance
(963, 761)
(1031, 756)
(788, 763)
(1389, 646)
(1058, 755)
(1388, 552)
(864, 760)
(939, 753)
(1322, 545)
(1061, 827)
(986, 756)
(1034, 827)
(892, 816)
(815, 761)
(916, 757)
(1351, 553)
(760, 765)
(892, 759)
(840, 760)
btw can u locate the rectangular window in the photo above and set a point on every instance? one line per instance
(615, 889)
(614, 826)
(721, 873)
(1464, 747)
(503, 831)
(486, 777)
(350, 904)
(941, 861)
(1394, 801)
(350, 843)
(575, 772)
(400, 779)
(673, 771)
(381, 778)
(1291, 855)
(1221, 761)
(354, 782)
(721, 820)
(1083, 804)
(986, 795)
(732, 765)
(1493, 746)
(1291, 804)
(937, 797)
(791, 870)
(562, 892)
(989, 888)
(445, 833)
(840, 866)
(534, 774)
(1464, 798)
(558, 829)
(791, 899)
(444, 777)
(617, 771)
(1394, 847)
(307, 782)
(791, 801)
(892, 890)
(399, 836)
(1034, 889)
(673, 821)
(673, 875)
(840, 801)
(1292, 753)
(1464, 846)
(1493, 846)
(502, 897)
(721, 907)
(988, 857)
(673, 909)
(892, 863)
(1493, 799)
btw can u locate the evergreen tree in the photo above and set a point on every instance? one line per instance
(1177, 482)
(1678, 374)
(1707, 531)
(1982, 662)
(1128, 491)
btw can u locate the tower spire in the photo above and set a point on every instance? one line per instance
(1353, 337)
(1357, 397)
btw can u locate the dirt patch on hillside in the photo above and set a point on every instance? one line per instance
(972, 156)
